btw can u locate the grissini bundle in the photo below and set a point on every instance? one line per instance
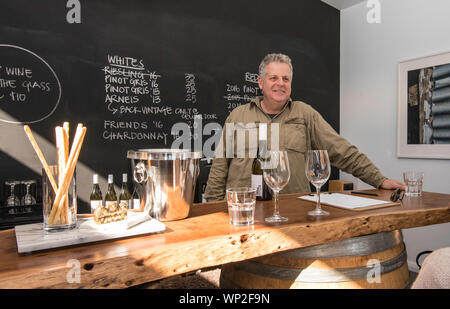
(66, 167)
(68, 173)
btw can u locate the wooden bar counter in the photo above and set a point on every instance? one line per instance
(206, 239)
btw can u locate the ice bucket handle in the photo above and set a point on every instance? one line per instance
(140, 173)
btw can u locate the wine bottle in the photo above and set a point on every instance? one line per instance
(136, 199)
(263, 192)
(110, 196)
(96, 195)
(125, 195)
(203, 193)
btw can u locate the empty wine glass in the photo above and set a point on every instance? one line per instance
(28, 198)
(276, 175)
(317, 170)
(12, 199)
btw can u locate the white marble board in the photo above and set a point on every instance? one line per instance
(32, 237)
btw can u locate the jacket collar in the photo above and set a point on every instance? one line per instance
(257, 102)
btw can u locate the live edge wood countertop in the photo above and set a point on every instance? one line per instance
(206, 239)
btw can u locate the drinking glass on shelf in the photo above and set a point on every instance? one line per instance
(276, 174)
(28, 198)
(317, 170)
(12, 199)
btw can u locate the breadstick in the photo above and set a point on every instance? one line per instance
(72, 165)
(41, 157)
(66, 158)
(66, 130)
(61, 159)
(60, 156)
(68, 171)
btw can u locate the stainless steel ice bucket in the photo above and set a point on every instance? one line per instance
(167, 180)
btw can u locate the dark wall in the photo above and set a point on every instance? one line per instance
(194, 56)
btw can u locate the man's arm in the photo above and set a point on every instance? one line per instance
(390, 184)
(218, 175)
(346, 156)
(215, 187)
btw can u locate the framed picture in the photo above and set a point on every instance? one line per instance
(424, 107)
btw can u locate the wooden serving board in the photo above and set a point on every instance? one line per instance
(32, 237)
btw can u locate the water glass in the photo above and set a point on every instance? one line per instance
(65, 217)
(241, 205)
(413, 181)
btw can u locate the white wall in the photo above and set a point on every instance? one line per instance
(368, 94)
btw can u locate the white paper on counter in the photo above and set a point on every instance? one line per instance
(344, 200)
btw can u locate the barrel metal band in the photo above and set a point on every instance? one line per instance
(315, 275)
(356, 246)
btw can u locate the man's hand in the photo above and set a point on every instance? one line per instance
(390, 184)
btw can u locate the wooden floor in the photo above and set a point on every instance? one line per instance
(205, 279)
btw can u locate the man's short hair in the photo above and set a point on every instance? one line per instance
(274, 58)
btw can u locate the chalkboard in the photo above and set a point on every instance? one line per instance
(131, 70)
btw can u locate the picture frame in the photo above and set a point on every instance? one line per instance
(423, 129)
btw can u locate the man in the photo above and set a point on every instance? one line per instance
(300, 128)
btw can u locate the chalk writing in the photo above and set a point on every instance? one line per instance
(131, 89)
(29, 90)
(251, 77)
(236, 95)
(18, 85)
(133, 135)
(191, 92)
(133, 99)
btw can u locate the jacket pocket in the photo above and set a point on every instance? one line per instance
(294, 136)
(245, 140)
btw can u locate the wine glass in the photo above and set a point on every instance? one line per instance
(28, 198)
(276, 173)
(12, 199)
(317, 170)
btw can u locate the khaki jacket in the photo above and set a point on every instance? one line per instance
(300, 128)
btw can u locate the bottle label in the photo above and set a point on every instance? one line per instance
(109, 203)
(128, 202)
(257, 184)
(136, 203)
(95, 204)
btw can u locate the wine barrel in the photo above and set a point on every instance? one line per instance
(376, 261)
